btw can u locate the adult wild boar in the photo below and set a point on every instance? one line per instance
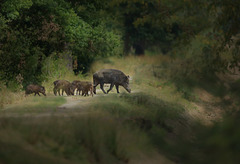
(65, 85)
(110, 76)
(32, 88)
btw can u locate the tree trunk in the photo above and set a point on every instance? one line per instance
(139, 48)
(67, 56)
(127, 45)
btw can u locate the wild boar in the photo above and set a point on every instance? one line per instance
(65, 85)
(111, 76)
(55, 83)
(55, 89)
(75, 84)
(85, 87)
(32, 88)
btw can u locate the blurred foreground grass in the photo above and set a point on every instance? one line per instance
(91, 138)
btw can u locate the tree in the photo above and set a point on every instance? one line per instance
(158, 22)
(36, 29)
(227, 23)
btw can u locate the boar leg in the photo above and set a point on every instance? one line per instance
(94, 87)
(91, 92)
(55, 91)
(84, 93)
(111, 86)
(36, 94)
(79, 90)
(58, 92)
(101, 86)
(117, 86)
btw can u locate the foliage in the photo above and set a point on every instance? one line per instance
(221, 141)
(159, 23)
(55, 67)
(143, 22)
(227, 16)
(36, 29)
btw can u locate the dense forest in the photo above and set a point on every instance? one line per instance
(182, 58)
(38, 36)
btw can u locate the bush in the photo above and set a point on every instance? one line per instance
(7, 96)
(38, 30)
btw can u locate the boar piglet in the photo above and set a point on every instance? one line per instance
(85, 87)
(32, 88)
(63, 85)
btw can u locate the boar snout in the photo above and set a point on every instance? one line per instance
(129, 90)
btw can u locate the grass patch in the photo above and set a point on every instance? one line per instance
(35, 104)
(81, 139)
(156, 118)
(8, 97)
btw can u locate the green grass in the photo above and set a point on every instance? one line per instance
(156, 118)
(35, 104)
(79, 139)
